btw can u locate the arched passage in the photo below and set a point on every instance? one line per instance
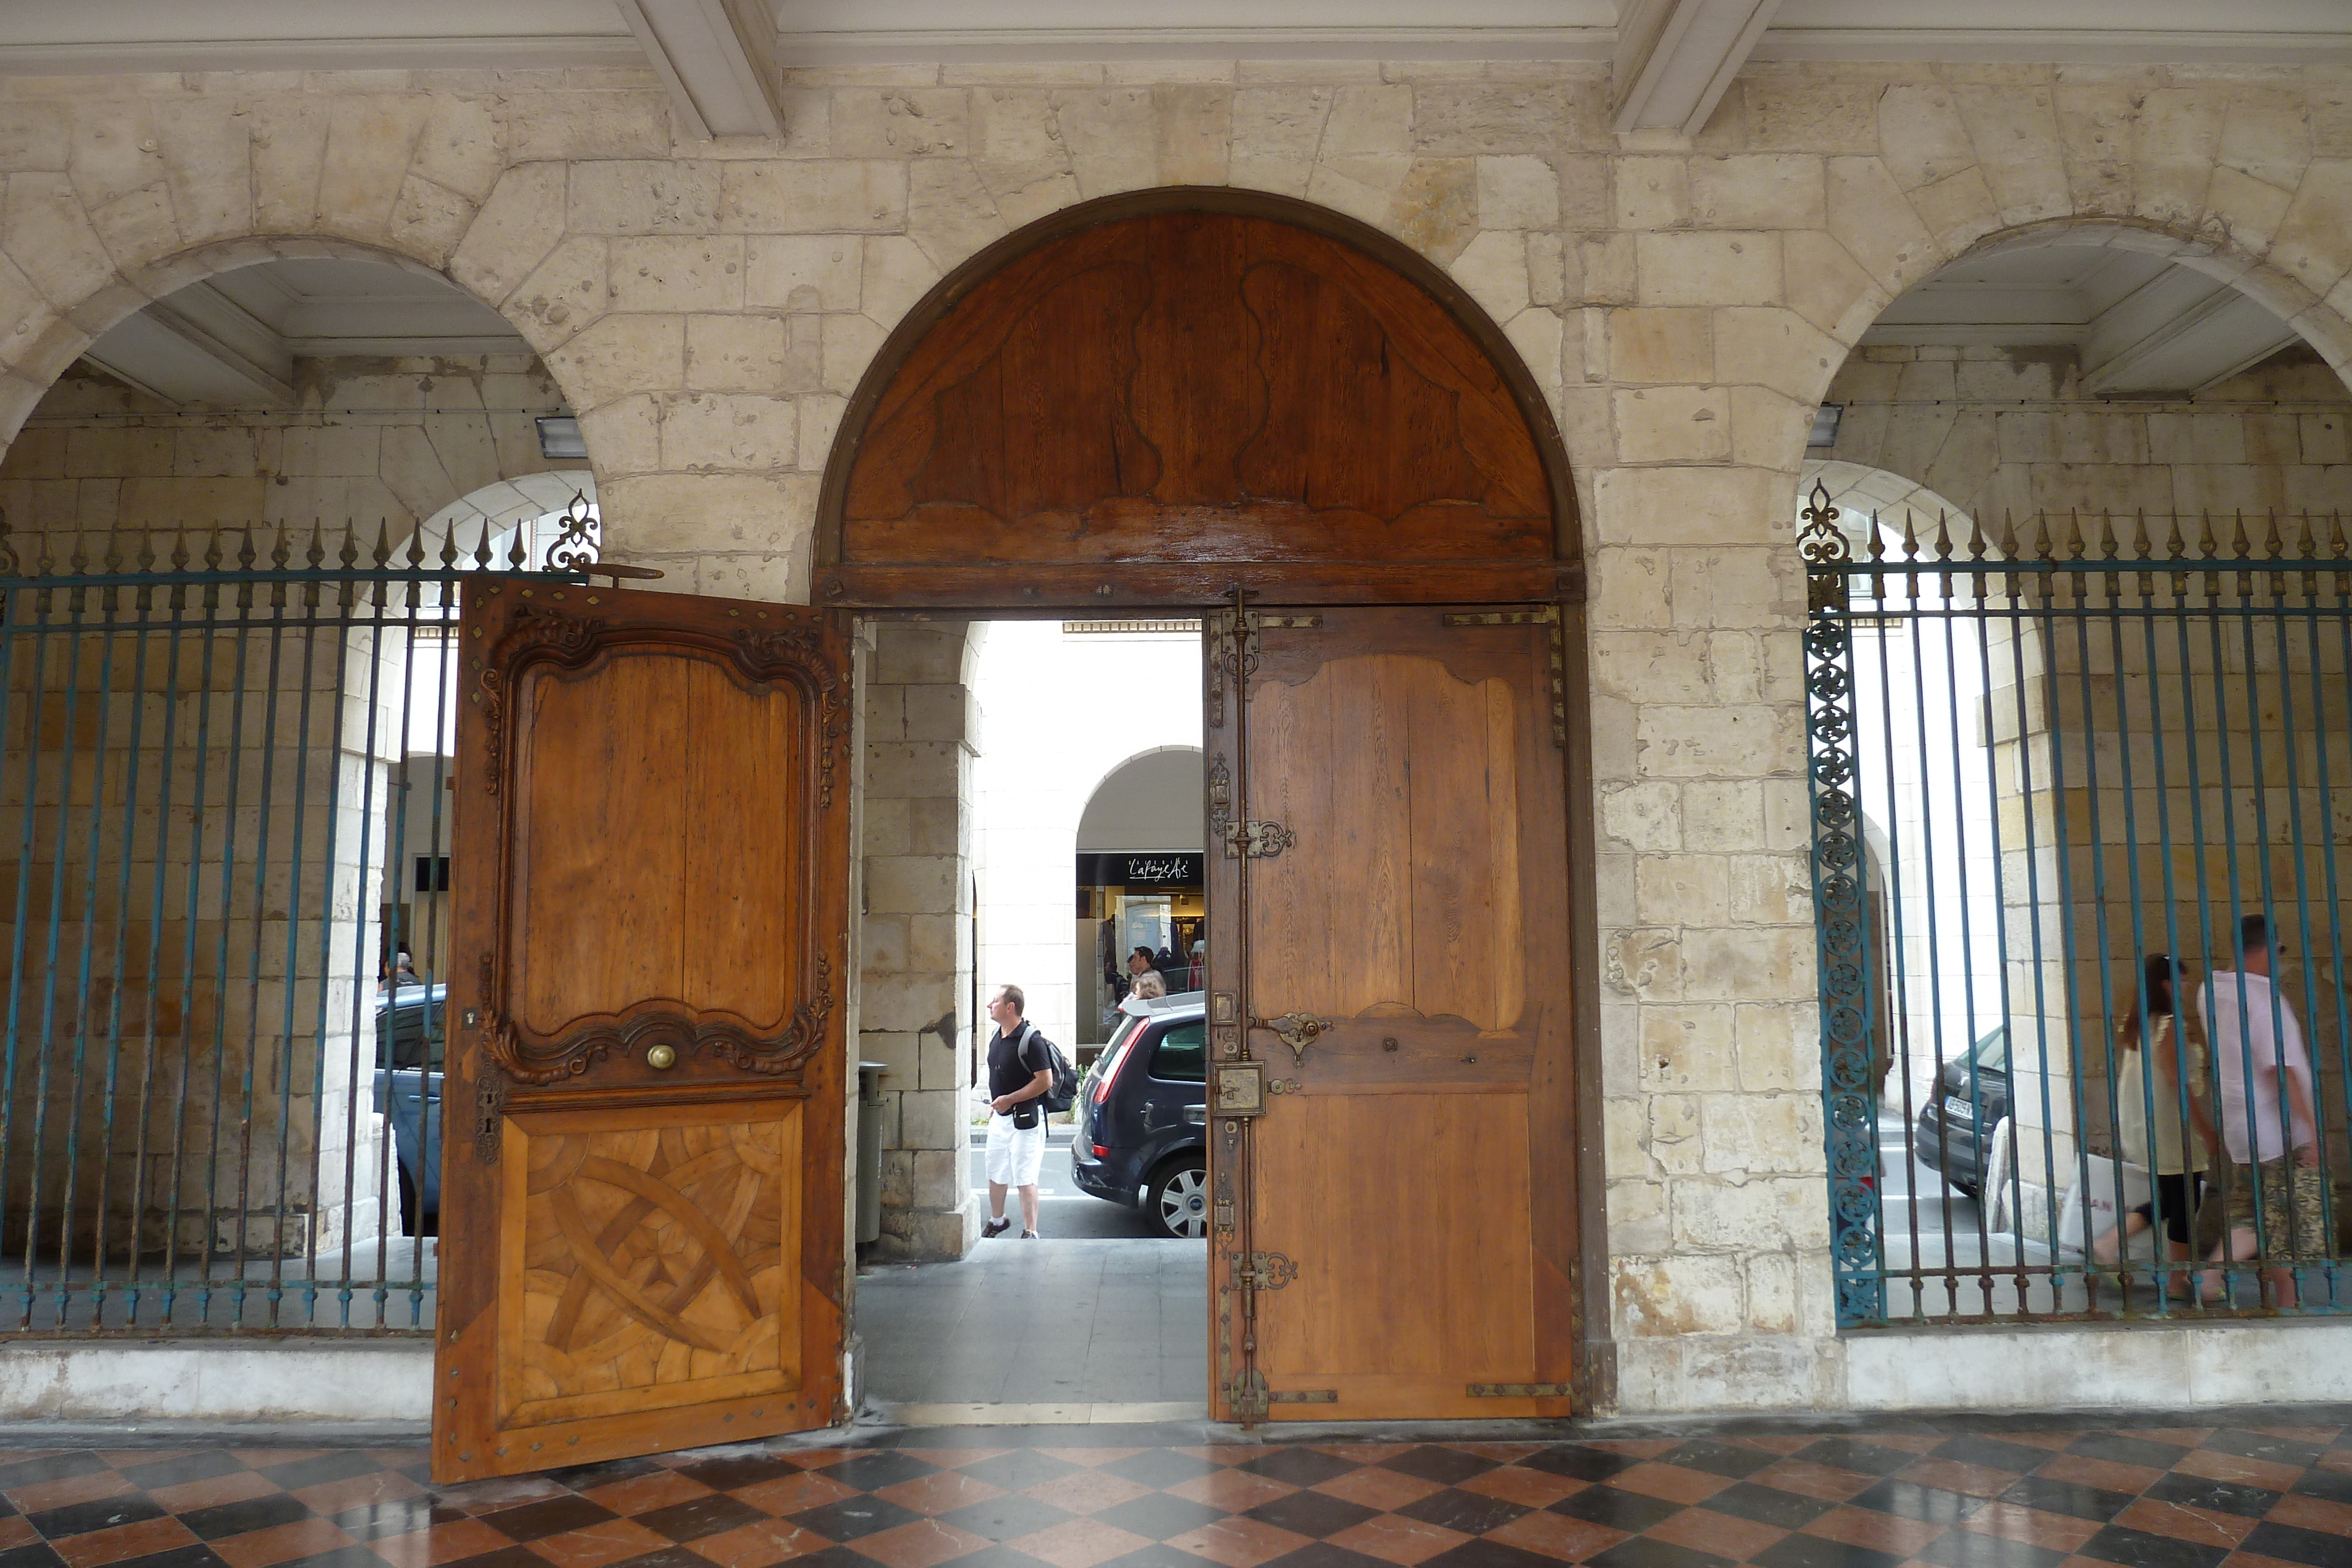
(2060, 756)
(1194, 398)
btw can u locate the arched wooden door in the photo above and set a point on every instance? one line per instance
(1248, 405)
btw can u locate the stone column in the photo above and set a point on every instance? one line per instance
(916, 963)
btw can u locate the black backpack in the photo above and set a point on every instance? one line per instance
(1064, 1091)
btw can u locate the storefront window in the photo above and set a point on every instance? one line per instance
(1150, 899)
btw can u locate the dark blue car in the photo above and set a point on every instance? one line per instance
(409, 1043)
(1142, 1136)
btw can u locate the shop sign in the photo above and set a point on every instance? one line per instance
(1139, 869)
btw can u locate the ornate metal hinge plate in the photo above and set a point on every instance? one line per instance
(1546, 615)
(1249, 1397)
(1518, 1391)
(1296, 1030)
(1264, 1270)
(1257, 840)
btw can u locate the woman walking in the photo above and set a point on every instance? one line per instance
(2151, 1071)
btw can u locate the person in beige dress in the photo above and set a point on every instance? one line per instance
(2176, 1143)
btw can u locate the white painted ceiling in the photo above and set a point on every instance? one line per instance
(232, 340)
(2142, 326)
(179, 35)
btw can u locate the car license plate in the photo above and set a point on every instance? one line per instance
(1957, 1107)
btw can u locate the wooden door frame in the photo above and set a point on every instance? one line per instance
(1142, 588)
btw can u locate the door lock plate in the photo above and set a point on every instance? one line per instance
(1240, 1089)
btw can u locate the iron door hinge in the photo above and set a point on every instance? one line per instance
(1257, 840)
(1264, 1270)
(1518, 1391)
(1249, 1397)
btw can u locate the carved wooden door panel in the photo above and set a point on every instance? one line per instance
(642, 1173)
(1395, 1235)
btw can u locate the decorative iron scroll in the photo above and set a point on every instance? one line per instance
(1257, 841)
(1841, 921)
(1263, 1271)
(581, 540)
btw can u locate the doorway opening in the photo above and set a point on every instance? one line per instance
(1258, 412)
(1087, 892)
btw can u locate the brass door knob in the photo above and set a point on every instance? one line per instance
(659, 1057)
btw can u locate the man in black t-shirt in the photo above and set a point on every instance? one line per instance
(1019, 1072)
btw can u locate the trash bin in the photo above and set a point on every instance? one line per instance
(870, 1106)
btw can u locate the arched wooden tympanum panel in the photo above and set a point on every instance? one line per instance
(1161, 395)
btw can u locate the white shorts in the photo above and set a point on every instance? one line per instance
(1014, 1154)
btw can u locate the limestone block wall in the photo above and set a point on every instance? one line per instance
(915, 1010)
(371, 443)
(2003, 435)
(1683, 303)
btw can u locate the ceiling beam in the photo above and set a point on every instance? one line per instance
(1676, 58)
(171, 355)
(2133, 350)
(719, 60)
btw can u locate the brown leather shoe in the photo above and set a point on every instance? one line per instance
(995, 1228)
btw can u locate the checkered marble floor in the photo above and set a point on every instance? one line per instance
(1973, 1495)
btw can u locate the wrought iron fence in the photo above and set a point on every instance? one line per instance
(225, 764)
(2080, 792)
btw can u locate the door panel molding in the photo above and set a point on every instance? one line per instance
(556, 645)
(1417, 1165)
(642, 1243)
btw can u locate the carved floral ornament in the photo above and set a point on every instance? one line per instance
(542, 634)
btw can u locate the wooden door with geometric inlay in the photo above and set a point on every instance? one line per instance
(642, 1204)
(1396, 1230)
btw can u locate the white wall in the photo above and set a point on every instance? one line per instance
(1059, 711)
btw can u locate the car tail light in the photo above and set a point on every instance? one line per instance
(1102, 1151)
(1114, 1057)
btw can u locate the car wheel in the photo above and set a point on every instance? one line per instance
(1178, 1202)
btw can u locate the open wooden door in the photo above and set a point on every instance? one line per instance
(1394, 1142)
(642, 1202)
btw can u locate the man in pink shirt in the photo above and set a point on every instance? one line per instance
(2272, 1136)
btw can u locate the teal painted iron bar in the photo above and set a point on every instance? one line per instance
(111, 1114)
(2172, 727)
